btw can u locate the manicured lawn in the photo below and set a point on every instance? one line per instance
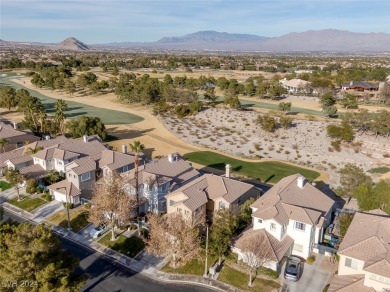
(127, 246)
(4, 185)
(266, 171)
(240, 280)
(193, 267)
(78, 219)
(27, 203)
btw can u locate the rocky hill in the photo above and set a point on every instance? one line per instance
(72, 44)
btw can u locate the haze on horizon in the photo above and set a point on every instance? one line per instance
(104, 21)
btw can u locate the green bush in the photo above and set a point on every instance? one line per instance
(144, 233)
(336, 145)
(68, 205)
(133, 226)
(311, 259)
(31, 186)
(47, 197)
(268, 272)
(182, 110)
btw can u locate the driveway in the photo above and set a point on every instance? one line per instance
(47, 210)
(314, 278)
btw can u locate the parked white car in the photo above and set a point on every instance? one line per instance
(97, 231)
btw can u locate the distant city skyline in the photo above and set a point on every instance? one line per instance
(103, 21)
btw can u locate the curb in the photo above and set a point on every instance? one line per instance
(159, 276)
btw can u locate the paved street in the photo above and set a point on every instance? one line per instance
(107, 275)
(314, 278)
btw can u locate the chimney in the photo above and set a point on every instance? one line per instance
(227, 168)
(170, 158)
(15, 126)
(124, 149)
(301, 182)
(85, 138)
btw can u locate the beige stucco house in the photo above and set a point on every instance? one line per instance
(294, 214)
(208, 194)
(365, 254)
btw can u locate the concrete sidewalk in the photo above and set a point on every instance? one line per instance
(143, 263)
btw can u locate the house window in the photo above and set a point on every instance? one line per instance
(260, 220)
(221, 205)
(273, 226)
(353, 264)
(125, 168)
(186, 212)
(59, 162)
(298, 247)
(149, 188)
(85, 176)
(379, 278)
(179, 210)
(172, 202)
(299, 226)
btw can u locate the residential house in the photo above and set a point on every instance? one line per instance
(14, 137)
(65, 191)
(157, 178)
(293, 215)
(209, 193)
(295, 86)
(364, 252)
(110, 161)
(359, 86)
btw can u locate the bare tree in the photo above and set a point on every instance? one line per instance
(110, 203)
(172, 236)
(255, 252)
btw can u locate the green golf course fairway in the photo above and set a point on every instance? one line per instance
(76, 109)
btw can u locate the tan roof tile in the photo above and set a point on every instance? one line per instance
(114, 160)
(278, 248)
(306, 204)
(63, 185)
(214, 187)
(367, 236)
(81, 165)
(10, 155)
(349, 283)
(34, 171)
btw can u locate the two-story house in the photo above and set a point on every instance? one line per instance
(294, 213)
(14, 137)
(209, 193)
(364, 252)
(157, 178)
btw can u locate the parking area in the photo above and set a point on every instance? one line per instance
(314, 277)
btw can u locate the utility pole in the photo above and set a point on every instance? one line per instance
(207, 247)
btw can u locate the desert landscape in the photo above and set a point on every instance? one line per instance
(305, 143)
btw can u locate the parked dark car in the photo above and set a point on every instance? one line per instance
(293, 269)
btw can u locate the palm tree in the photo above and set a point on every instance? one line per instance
(3, 142)
(15, 178)
(59, 117)
(29, 150)
(137, 148)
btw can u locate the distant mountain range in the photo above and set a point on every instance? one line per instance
(328, 40)
(210, 36)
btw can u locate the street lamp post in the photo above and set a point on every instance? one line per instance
(207, 247)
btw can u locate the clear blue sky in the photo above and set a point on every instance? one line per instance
(103, 21)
